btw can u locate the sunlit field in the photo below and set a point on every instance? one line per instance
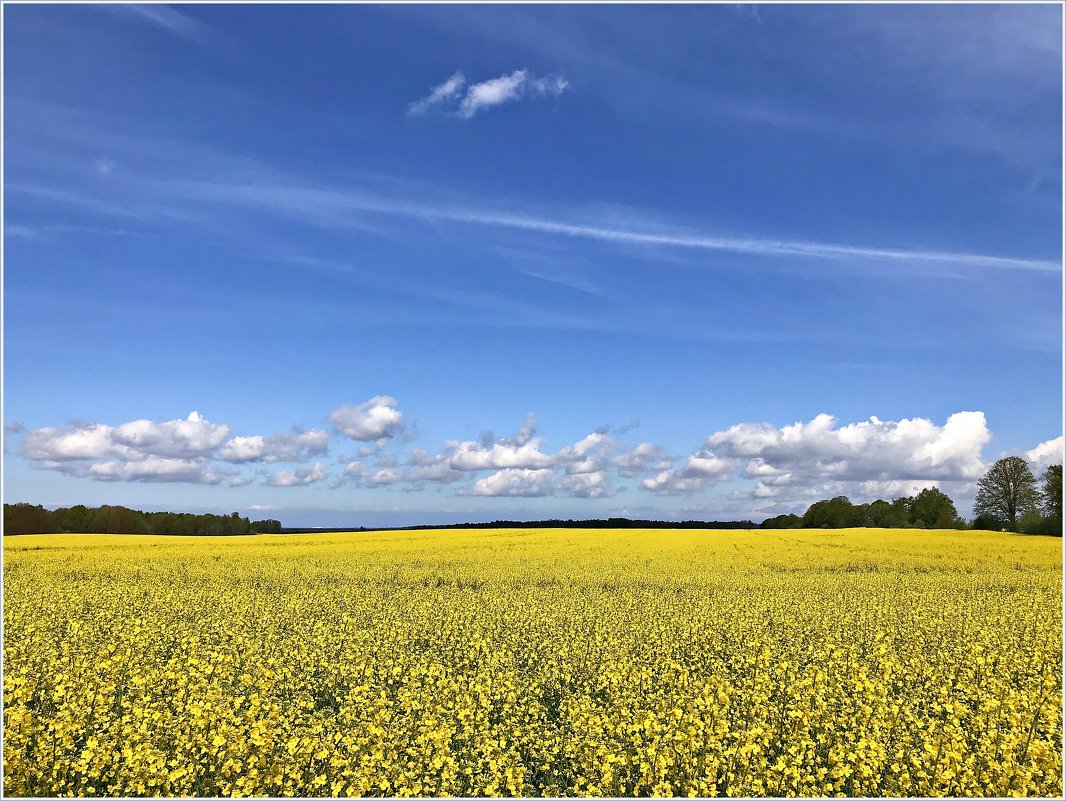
(534, 662)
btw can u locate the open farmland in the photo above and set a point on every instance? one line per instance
(534, 662)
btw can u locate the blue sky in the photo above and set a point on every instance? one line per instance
(390, 265)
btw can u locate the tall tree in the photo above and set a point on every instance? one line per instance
(1051, 494)
(1006, 491)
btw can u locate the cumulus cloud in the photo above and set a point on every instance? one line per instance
(295, 446)
(515, 482)
(356, 469)
(470, 455)
(193, 436)
(155, 469)
(376, 419)
(639, 459)
(14, 428)
(152, 469)
(871, 450)
(180, 439)
(507, 88)
(179, 450)
(819, 456)
(671, 482)
(588, 485)
(300, 477)
(587, 455)
(1046, 453)
(438, 95)
(523, 467)
(526, 483)
(701, 470)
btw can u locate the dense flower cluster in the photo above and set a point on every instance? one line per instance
(534, 662)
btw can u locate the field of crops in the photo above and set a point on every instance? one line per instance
(534, 662)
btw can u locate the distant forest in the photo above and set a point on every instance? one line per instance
(24, 518)
(1008, 498)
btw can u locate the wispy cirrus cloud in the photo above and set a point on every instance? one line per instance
(327, 206)
(165, 18)
(170, 195)
(438, 95)
(507, 88)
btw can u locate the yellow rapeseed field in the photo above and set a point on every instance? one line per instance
(534, 662)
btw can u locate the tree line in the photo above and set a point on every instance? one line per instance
(24, 518)
(610, 522)
(1008, 498)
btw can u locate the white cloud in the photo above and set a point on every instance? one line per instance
(638, 459)
(155, 469)
(141, 450)
(870, 457)
(376, 419)
(165, 18)
(486, 94)
(671, 482)
(330, 206)
(871, 450)
(553, 85)
(1046, 453)
(492, 92)
(527, 431)
(297, 446)
(387, 475)
(701, 470)
(180, 439)
(588, 485)
(300, 477)
(525, 483)
(524, 468)
(515, 482)
(470, 455)
(356, 469)
(898, 488)
(439, 94)
(193, 436)
(587, 455)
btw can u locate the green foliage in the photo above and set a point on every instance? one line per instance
(74, 520)
(1032, 522)
(23, 518)
(986, 522)
(837, 512)
(1051, 495)
(1007, 491)
(931, 508)
(782, 521)
(882, 514)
